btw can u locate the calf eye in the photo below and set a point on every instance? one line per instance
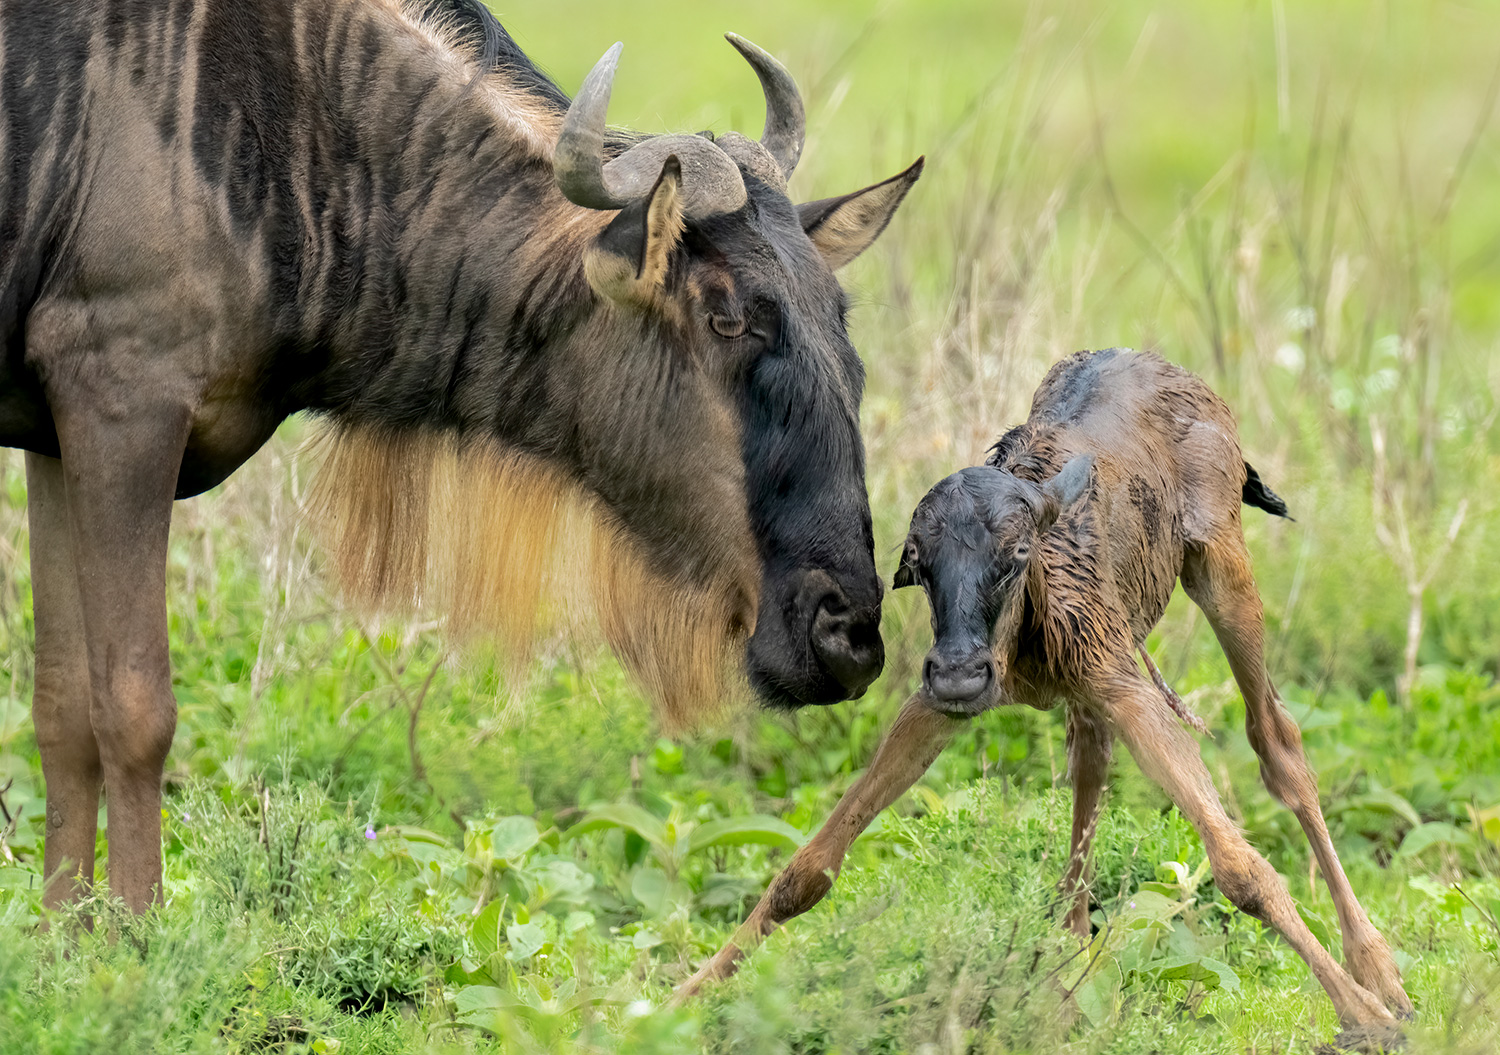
(727, 327)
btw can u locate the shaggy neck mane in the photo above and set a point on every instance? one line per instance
(503, 545)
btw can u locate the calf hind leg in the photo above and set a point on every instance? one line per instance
(1218, 579)
(1167, 754)
(60, 695)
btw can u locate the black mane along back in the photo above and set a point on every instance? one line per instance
(495, 49)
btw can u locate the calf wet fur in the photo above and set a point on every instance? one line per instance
(1045, 569)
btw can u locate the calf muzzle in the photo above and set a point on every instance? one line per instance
(960, 686)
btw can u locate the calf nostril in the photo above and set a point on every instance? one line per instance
(958, 681)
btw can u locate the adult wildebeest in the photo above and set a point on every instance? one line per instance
(552, 357)
(1045, 569)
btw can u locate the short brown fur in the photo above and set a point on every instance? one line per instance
(1163, 501)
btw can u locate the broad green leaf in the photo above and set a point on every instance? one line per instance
(485, 930)
(474, 998)
(1430, 834)
(1488, 822)
(1385, 799)
(17, 878)
(1148, 904)
(563, 880)
(1316, 924)
(722, 890)
(1098, 996)
(623, 815)
(649, 886)
(1446, 896)
(646, 938)
(578, 921)
(1211, 974)
(513, 836)
(1172, 872)
(526, 939)
(734, 831)
(416, 835)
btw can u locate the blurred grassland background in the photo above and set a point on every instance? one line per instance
(1301, 201)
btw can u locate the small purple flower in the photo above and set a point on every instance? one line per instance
(369, 832)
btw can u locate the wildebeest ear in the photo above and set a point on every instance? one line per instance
(628, 262)
(842, 228)
(1060, 492)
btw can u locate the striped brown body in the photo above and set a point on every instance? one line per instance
(562, 368)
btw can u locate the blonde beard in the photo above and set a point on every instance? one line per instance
(504, 546)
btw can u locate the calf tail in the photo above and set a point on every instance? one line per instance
(1257, 494)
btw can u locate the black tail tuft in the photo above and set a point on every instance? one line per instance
(1257, 494)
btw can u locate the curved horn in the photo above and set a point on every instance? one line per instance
(711, 182)
(578, 158)
(786, 121)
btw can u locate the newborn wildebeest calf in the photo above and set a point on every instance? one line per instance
(1045, 569)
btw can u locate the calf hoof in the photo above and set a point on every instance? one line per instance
(1367, 1040)
(1372, 966)
(724, 964)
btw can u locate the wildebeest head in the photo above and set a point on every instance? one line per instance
(971, 544)
(717, 306)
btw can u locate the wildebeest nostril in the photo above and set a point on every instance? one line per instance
(848, 647)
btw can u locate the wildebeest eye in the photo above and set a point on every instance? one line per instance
(727, 327)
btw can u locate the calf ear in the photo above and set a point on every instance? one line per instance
(905, 577)
(1067, 487)
(842, 228)
(629, 260)
(906, 572)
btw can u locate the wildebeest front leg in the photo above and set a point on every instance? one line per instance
(915, 739)
(1218, 579)
(60, 692)
(120, 458)
(1168, 754)
(1089, 743)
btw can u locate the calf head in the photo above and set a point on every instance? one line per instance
(971, 545)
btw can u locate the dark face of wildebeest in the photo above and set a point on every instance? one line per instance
(970, 546)
(726, 290)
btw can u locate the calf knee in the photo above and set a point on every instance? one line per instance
(1283, 765)
(796, 890)
(1248, 882)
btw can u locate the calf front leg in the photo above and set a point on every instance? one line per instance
(1089, 743)
(1218, 580)
(915, 739)
(1169, 756)
(60, 693)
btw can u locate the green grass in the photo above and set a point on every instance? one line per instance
(1297, 200)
